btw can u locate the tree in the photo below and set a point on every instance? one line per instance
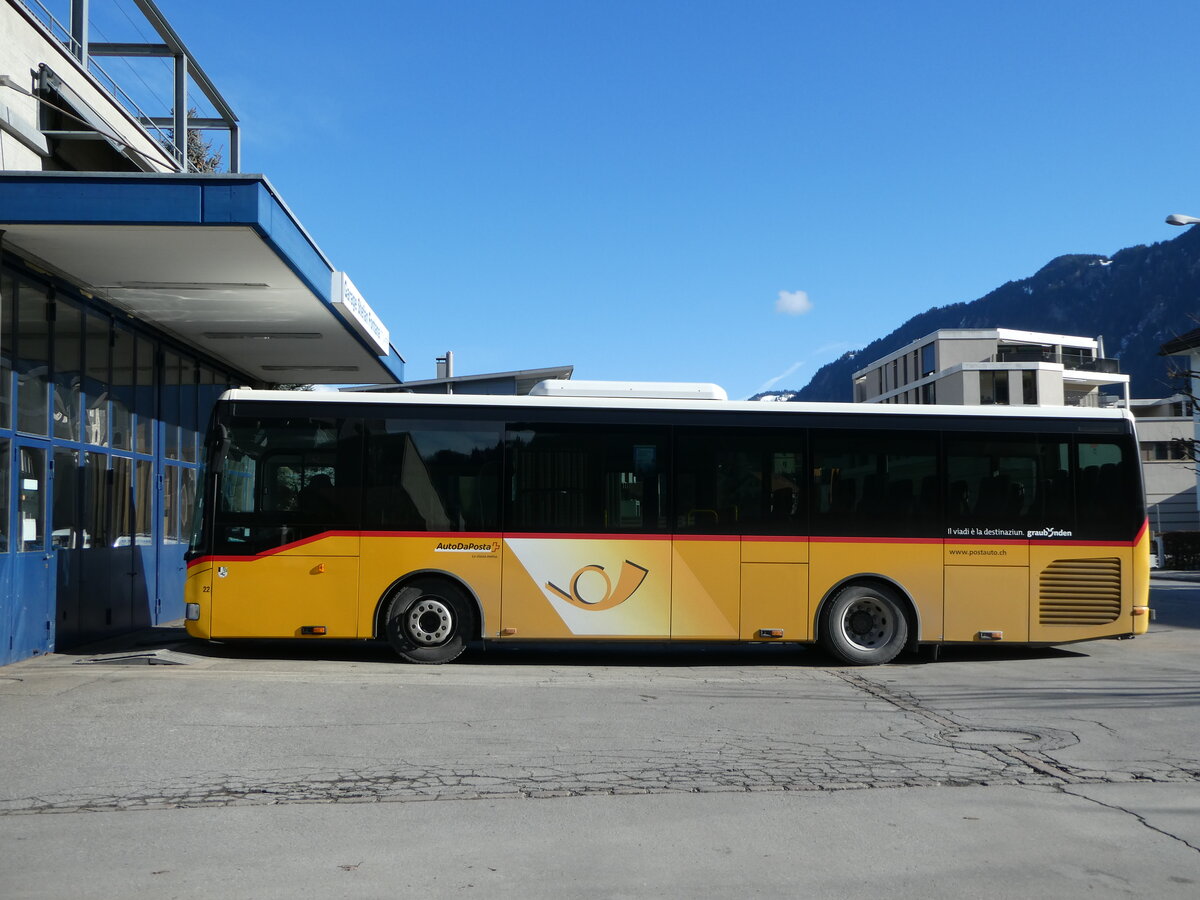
(200, 154)
(1187, 385)
(1186, 379)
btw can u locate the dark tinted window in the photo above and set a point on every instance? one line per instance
(33, 358)
(735, 482)
(586, 478)
(432, 476)
(993, 388)
(1044, 487)
(1006, 486)
(928, 362)
(874, 484)
(1109, 495)
(124, 374)
(97, 381)
(68, 366)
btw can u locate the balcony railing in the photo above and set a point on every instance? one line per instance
(1067, 360)
(74, 35)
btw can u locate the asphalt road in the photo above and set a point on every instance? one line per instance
(169, 768)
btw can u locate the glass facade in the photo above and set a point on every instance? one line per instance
(99, 422)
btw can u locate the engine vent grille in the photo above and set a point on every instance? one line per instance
(1080, 592)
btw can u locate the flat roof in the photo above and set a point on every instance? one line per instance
(516, 375)
(217, 260)
(1000, 335)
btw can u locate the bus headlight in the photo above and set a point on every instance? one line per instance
(192, 612)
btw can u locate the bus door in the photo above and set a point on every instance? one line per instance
(286, 541)
(587, 553)
(740, 556)
(998, 488)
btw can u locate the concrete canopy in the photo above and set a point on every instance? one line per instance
(219, 261)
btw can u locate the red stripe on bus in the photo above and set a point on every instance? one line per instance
(774, 538)
(748, 538)
(582, 536)
(875, 540)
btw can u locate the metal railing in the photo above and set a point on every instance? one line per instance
(159, 127)
(1067, 360)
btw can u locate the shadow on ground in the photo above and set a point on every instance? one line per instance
(141, 646)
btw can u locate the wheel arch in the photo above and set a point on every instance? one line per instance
(381, 605)
(907, 604)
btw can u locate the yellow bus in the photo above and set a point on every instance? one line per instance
(594, 511)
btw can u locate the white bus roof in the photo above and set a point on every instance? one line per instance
(631, 402)
(641, 390)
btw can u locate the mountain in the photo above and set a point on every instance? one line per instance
(1138, 299)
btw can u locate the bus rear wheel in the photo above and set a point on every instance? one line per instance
(864, 625)
(428, 621)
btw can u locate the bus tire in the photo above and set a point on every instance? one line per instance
(429, 621)
(864, 625)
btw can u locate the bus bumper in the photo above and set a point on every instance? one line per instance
(1141, 619)
(197, 597)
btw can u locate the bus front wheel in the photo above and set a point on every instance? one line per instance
(864, 625)
(428, 621)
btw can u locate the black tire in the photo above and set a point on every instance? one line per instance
(864, 625)
(429, 621)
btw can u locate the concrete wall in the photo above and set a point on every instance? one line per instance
(1050, 387)
(1170, 484)
(958, 388)
(952, 353)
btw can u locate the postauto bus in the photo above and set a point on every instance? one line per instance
(609, 511)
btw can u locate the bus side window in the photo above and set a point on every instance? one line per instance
(994, 483)
(739, 482)
(875, 483)
(1108, 488)
(588, 478)
(432, 475)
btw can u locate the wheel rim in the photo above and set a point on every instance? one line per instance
(429, 621)
(868, 623)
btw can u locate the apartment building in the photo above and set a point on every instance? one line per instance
(994, 367)
(1163, 426)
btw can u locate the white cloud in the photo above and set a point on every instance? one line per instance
(770, 382)
(793, 303)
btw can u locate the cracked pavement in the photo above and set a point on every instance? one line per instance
(1107, 727)
(656, 750)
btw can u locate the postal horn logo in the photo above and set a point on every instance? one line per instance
(592, 588)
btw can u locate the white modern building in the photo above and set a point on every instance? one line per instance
(1167, 469)
(1187, 347)
(994, 366)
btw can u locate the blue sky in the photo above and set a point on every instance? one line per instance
(734, 192)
